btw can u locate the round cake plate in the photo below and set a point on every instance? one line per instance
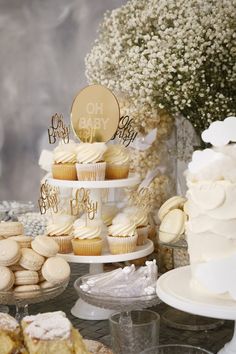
(106, 257)
(174, 289)
(131, 181)
(82, 309)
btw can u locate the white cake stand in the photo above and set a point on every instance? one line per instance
(131, 181)
(82, 309)
(174, 289)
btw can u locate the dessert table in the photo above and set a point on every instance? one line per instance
(212, 340)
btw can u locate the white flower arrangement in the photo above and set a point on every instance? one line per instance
(174, 54)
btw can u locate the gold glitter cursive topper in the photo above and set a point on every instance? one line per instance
(87, 134)
(141, 198)
(83, 203)
(126, 132)
(49, 198)
(58, 130)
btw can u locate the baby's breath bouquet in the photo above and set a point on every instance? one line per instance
(167, 58)
(174, 54)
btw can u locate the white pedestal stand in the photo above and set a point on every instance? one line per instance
(174, 289)
(82, 309)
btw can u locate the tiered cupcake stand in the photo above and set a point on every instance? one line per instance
(174, 289)
(82, 309)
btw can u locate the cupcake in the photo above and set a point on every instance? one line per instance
(87, 239)
(59, 229)
(122, 235)
(90, 164)
(140, 218)
(64, 158)
(117, 159)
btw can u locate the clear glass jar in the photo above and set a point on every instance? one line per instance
(153, 151)
(153, 155)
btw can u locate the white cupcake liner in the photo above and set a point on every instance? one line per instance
(142, 232)
(91, 171)
(64, 243)
(118, 245)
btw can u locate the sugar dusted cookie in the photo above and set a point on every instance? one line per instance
(10, 335)
(52, 332)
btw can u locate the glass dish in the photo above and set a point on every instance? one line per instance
(180, 251)
(175, 349)
(123, 304)
(180, 243)
(23, 299)
(10, 210)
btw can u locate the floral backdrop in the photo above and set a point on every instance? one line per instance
(178, 55)
(168, 60)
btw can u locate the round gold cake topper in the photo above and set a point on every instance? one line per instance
(95, 114)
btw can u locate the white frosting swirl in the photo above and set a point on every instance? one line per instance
(108, 213)
(138, 216)
(211, 209)
(90, 153)
(116, 154)
(65, 153)
(48, 326)
(122, 226)
(83, 231)
(61, 225)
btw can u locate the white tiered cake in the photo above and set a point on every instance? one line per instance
(211, 209)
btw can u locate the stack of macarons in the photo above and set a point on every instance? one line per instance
(27, 267)
(11, 228)
(173, 219)
(14, 230)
